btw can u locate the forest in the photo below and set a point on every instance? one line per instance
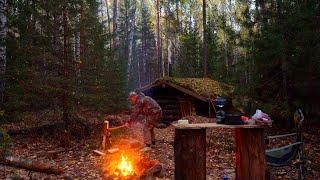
(67, 67)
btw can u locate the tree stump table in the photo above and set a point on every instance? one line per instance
(190, 151)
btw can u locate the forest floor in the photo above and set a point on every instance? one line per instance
(79, 161)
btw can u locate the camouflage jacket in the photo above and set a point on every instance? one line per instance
(145, 106)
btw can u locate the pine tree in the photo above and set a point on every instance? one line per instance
(58, 41)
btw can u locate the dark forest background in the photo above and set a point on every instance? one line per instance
(60, 56)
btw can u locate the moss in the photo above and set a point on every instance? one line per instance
(203, 86)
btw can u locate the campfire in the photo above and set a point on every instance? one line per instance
(129, 163)
(126, 158)
(124, 168)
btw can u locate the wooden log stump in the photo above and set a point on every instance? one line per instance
(190, 154)
(250, 154)
(106, 143)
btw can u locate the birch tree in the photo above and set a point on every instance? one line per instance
(108, 22)
(130, 37)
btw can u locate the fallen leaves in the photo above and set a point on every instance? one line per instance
(79, 162)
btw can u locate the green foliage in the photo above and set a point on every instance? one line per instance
(189, 62)
(38, 76)
(268, 50)
(282, 49)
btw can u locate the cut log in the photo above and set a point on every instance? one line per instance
(31, 165)
(250, 154)
(57, 151)
(145, 149)
(110, 151)
(117, 128)
(113, 150)
(190, 154)
(99, 152)
(106, 143)
(152, 172)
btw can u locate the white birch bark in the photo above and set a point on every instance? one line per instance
(130, 40)
(108, 20)
(169, 56)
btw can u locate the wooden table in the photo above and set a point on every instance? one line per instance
(190, 151)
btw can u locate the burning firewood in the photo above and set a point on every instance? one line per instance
(113, 150)
(150, 173)
(130, 165)
(110, 151)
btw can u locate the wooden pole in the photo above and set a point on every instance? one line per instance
(190, 154)
(250, 154)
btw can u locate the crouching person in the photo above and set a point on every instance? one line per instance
(149, 109)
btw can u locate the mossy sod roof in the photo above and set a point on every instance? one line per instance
(205, 87)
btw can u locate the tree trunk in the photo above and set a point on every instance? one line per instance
(77, 52)
(225, 43)
(115, 24)
(65, 97)
(158, 38)
(169, 58)
(3, 36)
(131, 36)
(250, 153)
(284, 70)
(126, 29)
(178, 20)
(108, 20)
(82, 36)
(190, 154)
(143, 59)
(139, 64)
(168, 40)
(205, 45)
(55, 40)
(177, 39)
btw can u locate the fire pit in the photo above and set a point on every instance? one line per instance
(130, 164)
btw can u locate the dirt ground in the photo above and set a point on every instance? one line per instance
(79, 161)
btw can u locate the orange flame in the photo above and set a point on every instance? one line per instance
(125, 167)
